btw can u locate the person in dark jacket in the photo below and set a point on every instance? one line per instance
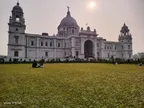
(34, 64)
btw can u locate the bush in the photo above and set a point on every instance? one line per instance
(15, 60)
(2, 60)
(118, 60)
(21, 60)
(10, 60)
(24, 61)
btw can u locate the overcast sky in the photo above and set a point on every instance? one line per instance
(107, 18)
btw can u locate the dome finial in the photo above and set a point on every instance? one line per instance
(68, 13)
(18, 3)
(124, 24)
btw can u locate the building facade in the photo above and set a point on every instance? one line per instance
(70, 41)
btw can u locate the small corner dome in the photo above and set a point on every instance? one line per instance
(68, 21)
(125, 29)
(17, 8)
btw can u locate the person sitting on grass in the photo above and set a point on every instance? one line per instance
(34, 64)
(140, 64)
(116, 63)
(40, 65)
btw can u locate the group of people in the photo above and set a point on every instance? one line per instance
(140, 64)
(39, 64)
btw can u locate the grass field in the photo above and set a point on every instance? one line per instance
(72, 86)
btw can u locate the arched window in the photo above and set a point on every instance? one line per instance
(65, 44)
(17, 19)
(128, 47)
(32, 43)
(46, 44)
(77, 53)
(41, 43)
(50, 44)
(72, 31)
(105, 46)
(16, 54)
(98, 54)
(58, 44)
(122, 47)
(46, 54)
(16, 39)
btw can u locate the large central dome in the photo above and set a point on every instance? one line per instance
(68, 21)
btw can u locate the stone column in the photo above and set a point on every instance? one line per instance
(113, 50)
(102, 49)
(55, 46)
(64, 47)
(95, 48)
(26, 54)
(37, 47)
(73, 46)
(82, 48)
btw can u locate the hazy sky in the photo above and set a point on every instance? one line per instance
(107, 18)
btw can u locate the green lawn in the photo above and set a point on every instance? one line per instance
(72, 86)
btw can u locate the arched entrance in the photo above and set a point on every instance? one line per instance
(88, 49)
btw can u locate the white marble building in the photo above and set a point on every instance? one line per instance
(70, 41)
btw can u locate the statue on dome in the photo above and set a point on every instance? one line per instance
(68, 8)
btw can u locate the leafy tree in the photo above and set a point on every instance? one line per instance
(139, 55)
